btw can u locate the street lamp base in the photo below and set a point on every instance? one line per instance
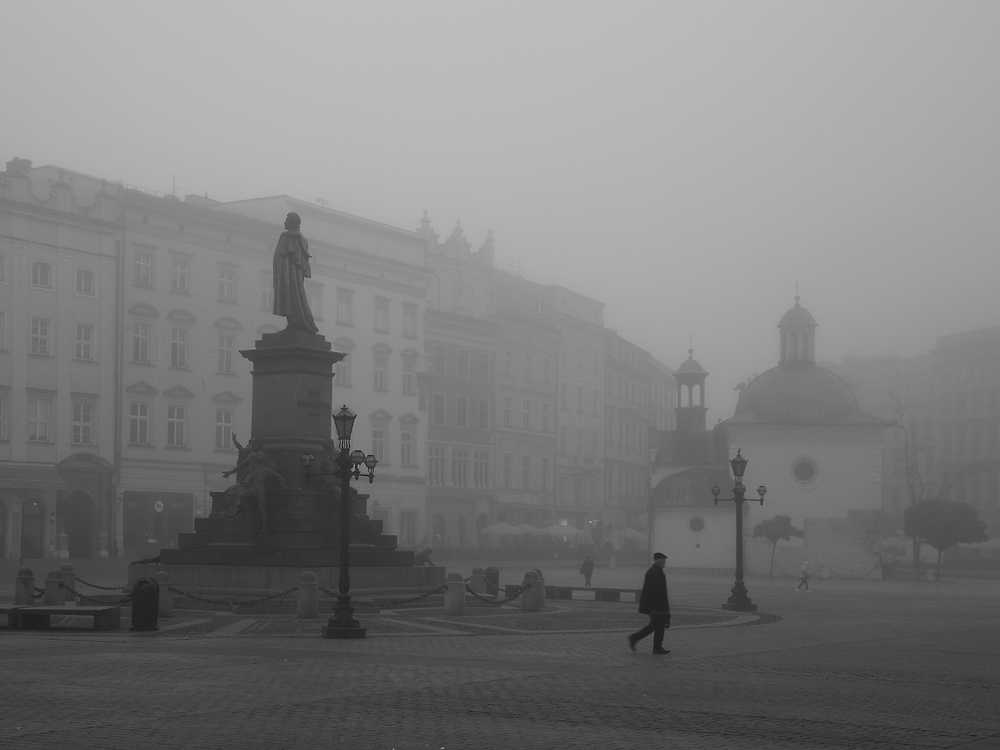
(332, 631)
(741, 607)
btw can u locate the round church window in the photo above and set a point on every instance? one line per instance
(804, 470)
(696, 524)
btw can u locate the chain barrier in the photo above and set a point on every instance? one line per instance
(492, 585)
(387, 605)
(244, 603)
(95, 586)
(510, 598)
(36, 594)
(85, 598)
(147, 561)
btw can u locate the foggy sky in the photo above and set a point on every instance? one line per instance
(685, 163)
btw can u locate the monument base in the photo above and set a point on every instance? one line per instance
(343, 633)
(740, 607)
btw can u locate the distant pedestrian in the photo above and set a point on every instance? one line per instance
(804, 578)
(587, 569)
(653, 602)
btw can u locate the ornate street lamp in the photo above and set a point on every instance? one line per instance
(739, 601)
(343, 624)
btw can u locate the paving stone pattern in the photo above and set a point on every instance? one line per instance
(840, 669)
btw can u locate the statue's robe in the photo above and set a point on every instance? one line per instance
(291, 268)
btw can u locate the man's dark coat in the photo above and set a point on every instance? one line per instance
(654, 592)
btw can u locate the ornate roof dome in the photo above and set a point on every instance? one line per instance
(690, 366)
(797, 393)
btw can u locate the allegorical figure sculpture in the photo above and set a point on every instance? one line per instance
(255, 471)
(291, 269)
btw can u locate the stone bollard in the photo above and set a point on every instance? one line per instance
(533, 598)
(454, 596)
(307, 605)
(24, 583)
(69, 578)
(166, 603)
(55, 595)
(477, 581)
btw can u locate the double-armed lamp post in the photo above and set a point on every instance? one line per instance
(739, 601)
(344, 624)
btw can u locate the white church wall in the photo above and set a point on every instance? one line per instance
(696, 537)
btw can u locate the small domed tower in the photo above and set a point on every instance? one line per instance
(798, 336)
(690, 417)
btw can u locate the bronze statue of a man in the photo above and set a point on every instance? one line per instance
(291, 268)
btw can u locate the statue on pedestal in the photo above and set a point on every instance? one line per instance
(255, 472)
(291, 268)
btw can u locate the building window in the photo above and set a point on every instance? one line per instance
(481, 469)
(175, 426)
(508, 363)
(138, 429)
(227, 285)
(378, 444)
(439, 360)
(484, 414)
(527, 367)
(409, 320)
(596, 399)
(343, 371)
(406, 448)
(178, 347)
(85, 282)
(267, 293)
(526, 466)
(543, 417)
(345, 307)
(438, 414)
(526, 414)
(179, 276)
(140, 343)
(459, 467)
(227, 354)
(696, 524)
(314, 293)
(507, 411)
(436, 469)
(3, 331)
(546, 371)
(41, 275)
(40, 328)
(462, 411)
(142, 269)
(223, 429)
(3, 269)
(463, 364)
(381, 315)
(544, 471)
(804, 470)
(3, 416)
(484, 367)
(39, 414)
(539, 305)
(579, 398)
(507, 471)
(409, 376)
(84, 341)
(379, 379)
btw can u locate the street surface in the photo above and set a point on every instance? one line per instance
(856, 664)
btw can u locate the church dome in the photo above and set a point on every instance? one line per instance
(690, 366)
(797, 393)
(797, 316)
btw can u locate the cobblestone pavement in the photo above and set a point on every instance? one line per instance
(841, 668)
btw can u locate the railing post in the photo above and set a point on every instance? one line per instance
(165, 606)
(307, 603)
(533, 598)
(69, 578)
(477, 581)
(454, 596)
(55, 594)
(24, 583)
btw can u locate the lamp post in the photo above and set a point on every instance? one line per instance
(739, 601)
(343, 624)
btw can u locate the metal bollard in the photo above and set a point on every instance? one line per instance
(145, 604)
(307, 606)
(493, 582)
(69, 578)
(24, 583)
(55, 595)
(454, 596)
(165, 606)
(533, 598)
(477, 581)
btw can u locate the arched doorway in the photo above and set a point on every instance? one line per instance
(437, 531)
(32, 529)
(462, 533)
(482, 521)
(75, 517)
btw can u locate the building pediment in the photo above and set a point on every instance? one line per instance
(227, 397)
(178, 391)
(409, 418)
(182, 316)
(142, 310)
(228, 324)
(84, 462)
(380, 416)
(409, 354)
(142, 388)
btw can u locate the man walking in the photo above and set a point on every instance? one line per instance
(653, 602)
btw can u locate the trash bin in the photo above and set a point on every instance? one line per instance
(492, 581)
(145, 604)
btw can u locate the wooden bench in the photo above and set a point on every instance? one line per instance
(27, 617)
(600, 594)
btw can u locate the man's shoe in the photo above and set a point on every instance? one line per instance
(631, 642)
(661, 650)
